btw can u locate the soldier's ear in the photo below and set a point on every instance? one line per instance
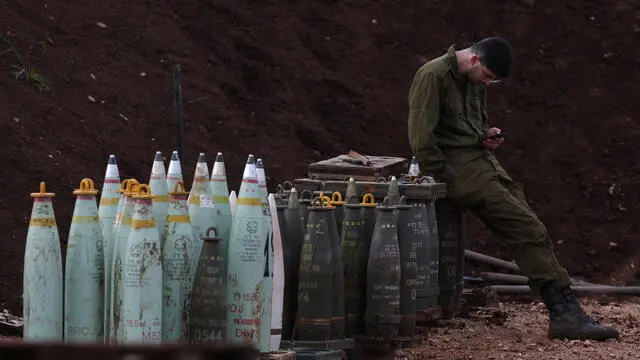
(475, 59)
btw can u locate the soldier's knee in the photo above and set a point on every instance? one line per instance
(534, 233)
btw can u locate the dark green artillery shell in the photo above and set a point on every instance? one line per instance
(281, 222)
(393, 193)
(354, 261)
(338, 214)
(306, 196)
(369, 216)
(382, 314)
(408, 273)
(207, 312)
(351, 191)
(315, 285)
(451, 234)
(294, 234)
(337, 313)
(368, 224)
(426, 290)
(434, 251)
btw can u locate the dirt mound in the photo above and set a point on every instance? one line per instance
(295, 82)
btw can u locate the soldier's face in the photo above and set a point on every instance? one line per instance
(480, 73)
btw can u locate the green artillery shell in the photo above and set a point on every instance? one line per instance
(117, 220)
(426, 291)
(305, 199)
(174, 172)
(109, 200)
(177, 241)
(219, 189)
(393, 192)
(337, 306)
(294, 233)
(452, 243)
(382, 314)
(315, 285)
(368, 223)
(368, 218)
(42, 275)
(433, 282)
(352, 240)
(208, 315)
(158, 185)
(267, 279)
(110, 250)
(352, 190)
(109, 197)
(338, 213)
(246, 262)
(142, 276)
(84, 271)
(408, 274)
(202, 210)
(121, 236)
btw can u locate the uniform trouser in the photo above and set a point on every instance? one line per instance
(485, 188)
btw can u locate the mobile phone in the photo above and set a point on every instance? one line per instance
(496, 136)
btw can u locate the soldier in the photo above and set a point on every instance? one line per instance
(451, 139)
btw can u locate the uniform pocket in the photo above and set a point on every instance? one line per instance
(501, 173)
(454, 108)
(473, 174)
(456, 188)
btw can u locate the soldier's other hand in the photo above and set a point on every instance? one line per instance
(492, 143)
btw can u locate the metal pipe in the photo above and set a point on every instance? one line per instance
(580, 289)
(511, 279)
(491, 260)
(505, 278)
(469, 254)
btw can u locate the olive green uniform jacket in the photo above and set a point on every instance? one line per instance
(447, 121)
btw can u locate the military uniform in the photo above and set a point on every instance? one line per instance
(447, 123)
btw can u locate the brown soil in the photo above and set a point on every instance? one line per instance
(516, 330)
(520, 333)
(295, 82)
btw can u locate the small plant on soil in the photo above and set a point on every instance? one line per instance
(23, 71)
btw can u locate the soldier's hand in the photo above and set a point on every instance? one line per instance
(492, 143)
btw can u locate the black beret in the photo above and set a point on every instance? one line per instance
(497, 55)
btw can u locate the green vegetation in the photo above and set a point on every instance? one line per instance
(23, 71)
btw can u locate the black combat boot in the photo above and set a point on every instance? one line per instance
(567, 320)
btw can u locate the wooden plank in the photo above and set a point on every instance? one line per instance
(342, 176)
(344, 166)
